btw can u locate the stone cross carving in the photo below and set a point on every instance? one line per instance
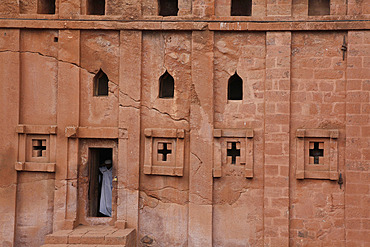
(164, 149)
(37, 147)
(233, 152)
(316, 152)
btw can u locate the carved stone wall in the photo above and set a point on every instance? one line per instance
(286, 163)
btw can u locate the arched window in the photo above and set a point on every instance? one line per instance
(46, 7)
(319, 7)
(166, 86)
(168, 7)
(101, 84)
(241, 7)
(95, 7)
(235, 88)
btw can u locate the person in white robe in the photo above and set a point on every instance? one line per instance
(106, 188)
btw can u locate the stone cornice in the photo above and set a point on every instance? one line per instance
(226, 24)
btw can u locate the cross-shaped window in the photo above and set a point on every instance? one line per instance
(317, 152)
(38, 146)
(233, 152)
(164, 148)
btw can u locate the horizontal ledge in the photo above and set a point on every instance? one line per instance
(35, 167)
(329, 175)
(325, 133)
(271, 24)
(164, 171)
(233, 133)
(96, 132)
(164, 133)
(36, 129)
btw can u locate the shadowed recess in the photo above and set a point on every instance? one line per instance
(168, 7)
(46, 7)
(235, 88)
(166, 86)
(319, 7)
(95, 7)
(101, 84)
(241, 7)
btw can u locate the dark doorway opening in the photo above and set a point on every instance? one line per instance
(241, 7)
(168, 7)
(96, 7)
(97, 157)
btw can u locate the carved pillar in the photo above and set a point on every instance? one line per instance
(129, 118)
(68, 115)
(201, 140)
(277, 119)
(9, 110)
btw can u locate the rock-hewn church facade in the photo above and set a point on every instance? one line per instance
(225, 122)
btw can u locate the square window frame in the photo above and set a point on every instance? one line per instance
(174, 167)
(25, 161)
(221, 138)
(327, 170)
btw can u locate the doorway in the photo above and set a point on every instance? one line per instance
(98, 157)
(93, 154)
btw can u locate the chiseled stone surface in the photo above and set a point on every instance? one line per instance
(300, 74)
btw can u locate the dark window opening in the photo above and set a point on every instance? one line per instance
(241, 7)
(96, 7)
(101, 84)
(164, 149)
(317, 152)
(233, 151)
(46, 7)
(97, 158)
(56, 39)
(39, 148)
(166, 86)
(168, 7)
(318, 7)
(235, 88)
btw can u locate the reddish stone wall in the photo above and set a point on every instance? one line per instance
(299, 84)
(318, 101)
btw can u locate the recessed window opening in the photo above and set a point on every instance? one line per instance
(95, 7)
(100, 182)
(233, 151)
(101, 84)
(241, 7)
(318, 7)
(168, 7)
(235, 88)
(166, 86)
(46, 7)
(39, 148)
(317, 151)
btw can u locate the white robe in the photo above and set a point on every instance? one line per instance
(106, 191)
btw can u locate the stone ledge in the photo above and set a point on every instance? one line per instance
(189, 25)
(35, 167)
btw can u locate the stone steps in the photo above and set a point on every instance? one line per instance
(91, 236)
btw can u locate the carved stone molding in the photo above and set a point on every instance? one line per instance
(164, 152)
(233, 146)
(317, 153)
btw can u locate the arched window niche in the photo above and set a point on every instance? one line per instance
(166, 86)
(101, 84)
(235, 87)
